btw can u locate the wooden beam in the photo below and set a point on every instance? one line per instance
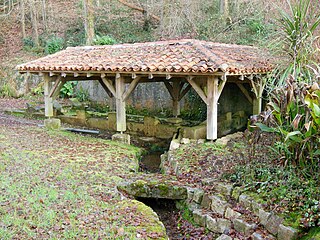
(170, 89)
(55, 86)
(212, 108)
(57, 91)
(47, 99)
(258, 87)
(120, 105)
(109, 85)
(176, 87)
(198, 89)
(221, 85)
(105, 88)
(185, 91)
(245, 92)
(131, 87)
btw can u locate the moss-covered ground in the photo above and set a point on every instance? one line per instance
(58, 185)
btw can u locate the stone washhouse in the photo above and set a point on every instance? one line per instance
(207, 67)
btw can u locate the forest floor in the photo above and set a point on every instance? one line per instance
(61, 185)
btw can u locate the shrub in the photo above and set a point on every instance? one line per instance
(68, 89)
(104, 40)
(53, 45)
(294, 116)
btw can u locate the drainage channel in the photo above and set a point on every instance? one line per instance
(178, 223)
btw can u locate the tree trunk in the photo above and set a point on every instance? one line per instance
(23, 20)
(89, 21)
(34, 22)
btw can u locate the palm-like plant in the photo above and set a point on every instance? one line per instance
(296, 40)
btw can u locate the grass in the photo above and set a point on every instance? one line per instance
(58, 185)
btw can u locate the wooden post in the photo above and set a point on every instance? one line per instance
(212, 107)
(257, 87)
(47, 98)
(176, 93)
(120, 104)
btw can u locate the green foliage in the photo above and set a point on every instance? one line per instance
(294, 116)
(195, 108)
(68, 89)
(296, 41)
(75, 36)
(296, 198)
(104, 40)
(82, 94)
(7, 91)
(28, 43)
(53, 45)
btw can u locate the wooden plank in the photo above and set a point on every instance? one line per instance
(120, 105)
(131, 87)
(198, 89)
(212, 108)
(109, 85)
(245, 92)
(47, 98)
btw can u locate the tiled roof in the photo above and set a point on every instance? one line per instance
(179, 56)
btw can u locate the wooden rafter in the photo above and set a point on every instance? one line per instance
(198, 89)
(109, 85)
(131, 87)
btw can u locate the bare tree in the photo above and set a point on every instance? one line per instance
(89, 20)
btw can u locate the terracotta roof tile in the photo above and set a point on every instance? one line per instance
(179, 56)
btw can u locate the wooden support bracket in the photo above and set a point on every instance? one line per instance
(245, 92)
(55, 86)
(130, 89)
(198, 89)
(108, 84)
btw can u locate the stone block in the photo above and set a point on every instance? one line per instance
(218, 225)
(196, 132)
(199, 218)
(245, 201)
(224, 189)
(122, 138)
(257, 236)
(263, 216)
(243, 227)
(206, 201)
(193, 206)
(224, 237)
(190, 192)
(273, 224)
(174, 120)
(231, 214)
(81, 114)
(287, 233)
(236, 192)
(255, 207)
(185, 141)
(218, 205)
(112, 121)
(52, 123)
(174, 145)
(198, 195)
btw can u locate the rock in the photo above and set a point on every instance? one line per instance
(122, 138)
(231, 214)
(198, 195)
(257, 236)
(246, 201)
(224, 140)
(287, 233)
(236, 192)
(243, 227)
(263, 216)
(208, 181)
(193, 206)
(224, 189)
(201, 141)
(185, 141)
(52, 123)
(255, 207)
(218, 205)
(224, 237)
(199, 218)
(57, 105)
(273, 224)
(190, 192)
(218, 225)
(206, 201)
(174, 145)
